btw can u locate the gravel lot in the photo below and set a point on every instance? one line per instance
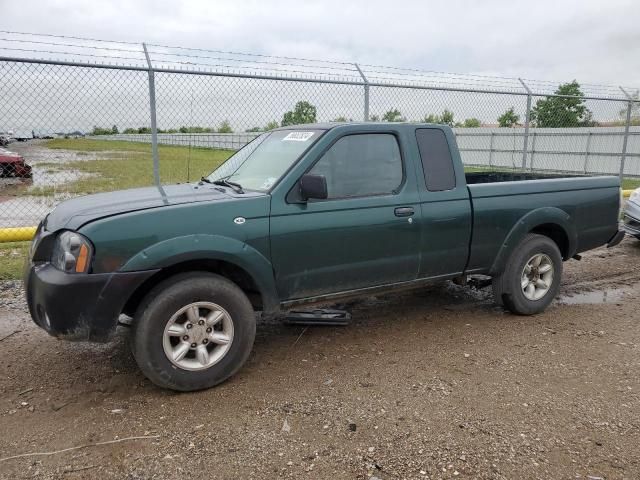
(436, 383)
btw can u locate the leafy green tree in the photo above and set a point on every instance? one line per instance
(561, 112)
(195, 129)
(374, 118)
(509, 119)
(271, 125)
(340, 119)
(130, 130)
(393, 115)
(114, 130)
(303, 112)
(445, 119)
(470, 123)
(225, 127)
(253, 130)
(144, 130)
(100, 131)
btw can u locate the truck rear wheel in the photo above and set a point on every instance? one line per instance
(193, 331)
(531, 278)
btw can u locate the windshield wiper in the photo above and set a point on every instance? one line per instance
(236, 187)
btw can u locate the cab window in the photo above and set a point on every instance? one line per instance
(361, 165)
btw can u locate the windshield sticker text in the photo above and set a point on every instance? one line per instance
(298, 137)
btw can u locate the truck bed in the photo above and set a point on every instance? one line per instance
(502, 200)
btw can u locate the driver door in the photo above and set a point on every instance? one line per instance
(364, 234)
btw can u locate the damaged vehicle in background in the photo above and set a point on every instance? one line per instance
(13, 165)
(631, 215)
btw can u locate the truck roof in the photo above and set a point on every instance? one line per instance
(330, 125)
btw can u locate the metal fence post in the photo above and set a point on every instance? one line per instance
(586, 153)
(154, 127)
(366, 93)
(491, 149)
(526, 125)
(533, 150)
(626, 133)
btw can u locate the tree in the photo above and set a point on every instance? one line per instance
(303, 112)
(393, 115)
(509, 119)
(100, 131)
(469, 123)
(374, 118)
(225, 127)
(445, 119)
(114, 130)
(253, 130)
(340, 119)
(195, 129)
(568, 110)
(271, 125)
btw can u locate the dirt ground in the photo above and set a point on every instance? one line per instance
(437, 383)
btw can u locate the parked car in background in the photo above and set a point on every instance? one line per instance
(13, 165)
(631, 216)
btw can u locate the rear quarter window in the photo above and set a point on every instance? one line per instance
(437, 163)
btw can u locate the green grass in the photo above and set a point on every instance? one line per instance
(123, 164)
(630, 183)
(12, 256)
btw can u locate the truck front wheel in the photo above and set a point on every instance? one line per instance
(193, 331)
(531, 278)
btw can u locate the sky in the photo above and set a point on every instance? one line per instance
(589, 40)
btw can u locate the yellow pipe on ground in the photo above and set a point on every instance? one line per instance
(16, 234)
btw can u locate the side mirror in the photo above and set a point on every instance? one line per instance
(313, 186)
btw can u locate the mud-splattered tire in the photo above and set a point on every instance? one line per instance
(193, 331)
(531, 278)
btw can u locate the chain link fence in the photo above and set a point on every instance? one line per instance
(90, 116)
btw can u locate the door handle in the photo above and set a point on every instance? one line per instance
(403, 211)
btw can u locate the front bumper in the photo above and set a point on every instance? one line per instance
(79, 306)
(631, 219)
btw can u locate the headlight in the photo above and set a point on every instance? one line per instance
(72, 253)
(635, 196)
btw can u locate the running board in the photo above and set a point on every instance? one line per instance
(318, 316)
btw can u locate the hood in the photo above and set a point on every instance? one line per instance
(74, 213)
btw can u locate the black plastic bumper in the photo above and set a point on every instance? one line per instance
(79, 307)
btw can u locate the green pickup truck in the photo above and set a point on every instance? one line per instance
(302, 214)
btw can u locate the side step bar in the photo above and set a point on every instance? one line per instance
(319, 316)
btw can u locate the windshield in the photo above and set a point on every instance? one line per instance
(261, 163)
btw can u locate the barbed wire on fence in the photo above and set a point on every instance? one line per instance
(87, 50)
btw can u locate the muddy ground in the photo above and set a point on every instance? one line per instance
(437, 383)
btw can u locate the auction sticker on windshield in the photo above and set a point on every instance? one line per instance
(298, 137)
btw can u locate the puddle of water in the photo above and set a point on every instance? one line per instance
(47, 177)
(611, 295)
